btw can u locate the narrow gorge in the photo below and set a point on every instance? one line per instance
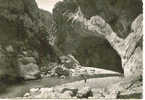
(72, 52)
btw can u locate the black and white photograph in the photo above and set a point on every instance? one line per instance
(71, 49)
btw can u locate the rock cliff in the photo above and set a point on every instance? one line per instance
(23, 34)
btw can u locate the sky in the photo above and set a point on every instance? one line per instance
(47, 4)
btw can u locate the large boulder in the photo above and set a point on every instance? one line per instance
(27, 60)
(29, 71)
(44, 93)
(73, 91)
(66, 95)
(60, 70)
(28, 68)
(85, 92)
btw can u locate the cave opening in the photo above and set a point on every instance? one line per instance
(97, 52)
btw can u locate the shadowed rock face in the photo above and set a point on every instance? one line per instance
(23, 32)
(17, 20)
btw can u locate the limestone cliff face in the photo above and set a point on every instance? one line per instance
(22, 36)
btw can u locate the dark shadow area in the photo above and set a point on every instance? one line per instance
(8, 82)
(97, 52)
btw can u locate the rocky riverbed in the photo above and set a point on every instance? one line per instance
(104, 87)
(21, 89)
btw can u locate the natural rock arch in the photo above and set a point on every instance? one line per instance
(128, 48)
(115, 13)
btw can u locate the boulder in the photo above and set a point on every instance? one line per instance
(98, 93)
(33, 90)
(114, 94)
(66, 95)
(29, 71)
(10, 48)
(60, 70)
(28, 68)
(27, 94)
(62, 77)
(71, 89)
(85, 92)
(46, 93)
(27, 60)
(69, 61)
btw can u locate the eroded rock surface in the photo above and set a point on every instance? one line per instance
(22, 32)
(28, 68)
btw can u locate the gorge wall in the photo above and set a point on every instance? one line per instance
(23, 34)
